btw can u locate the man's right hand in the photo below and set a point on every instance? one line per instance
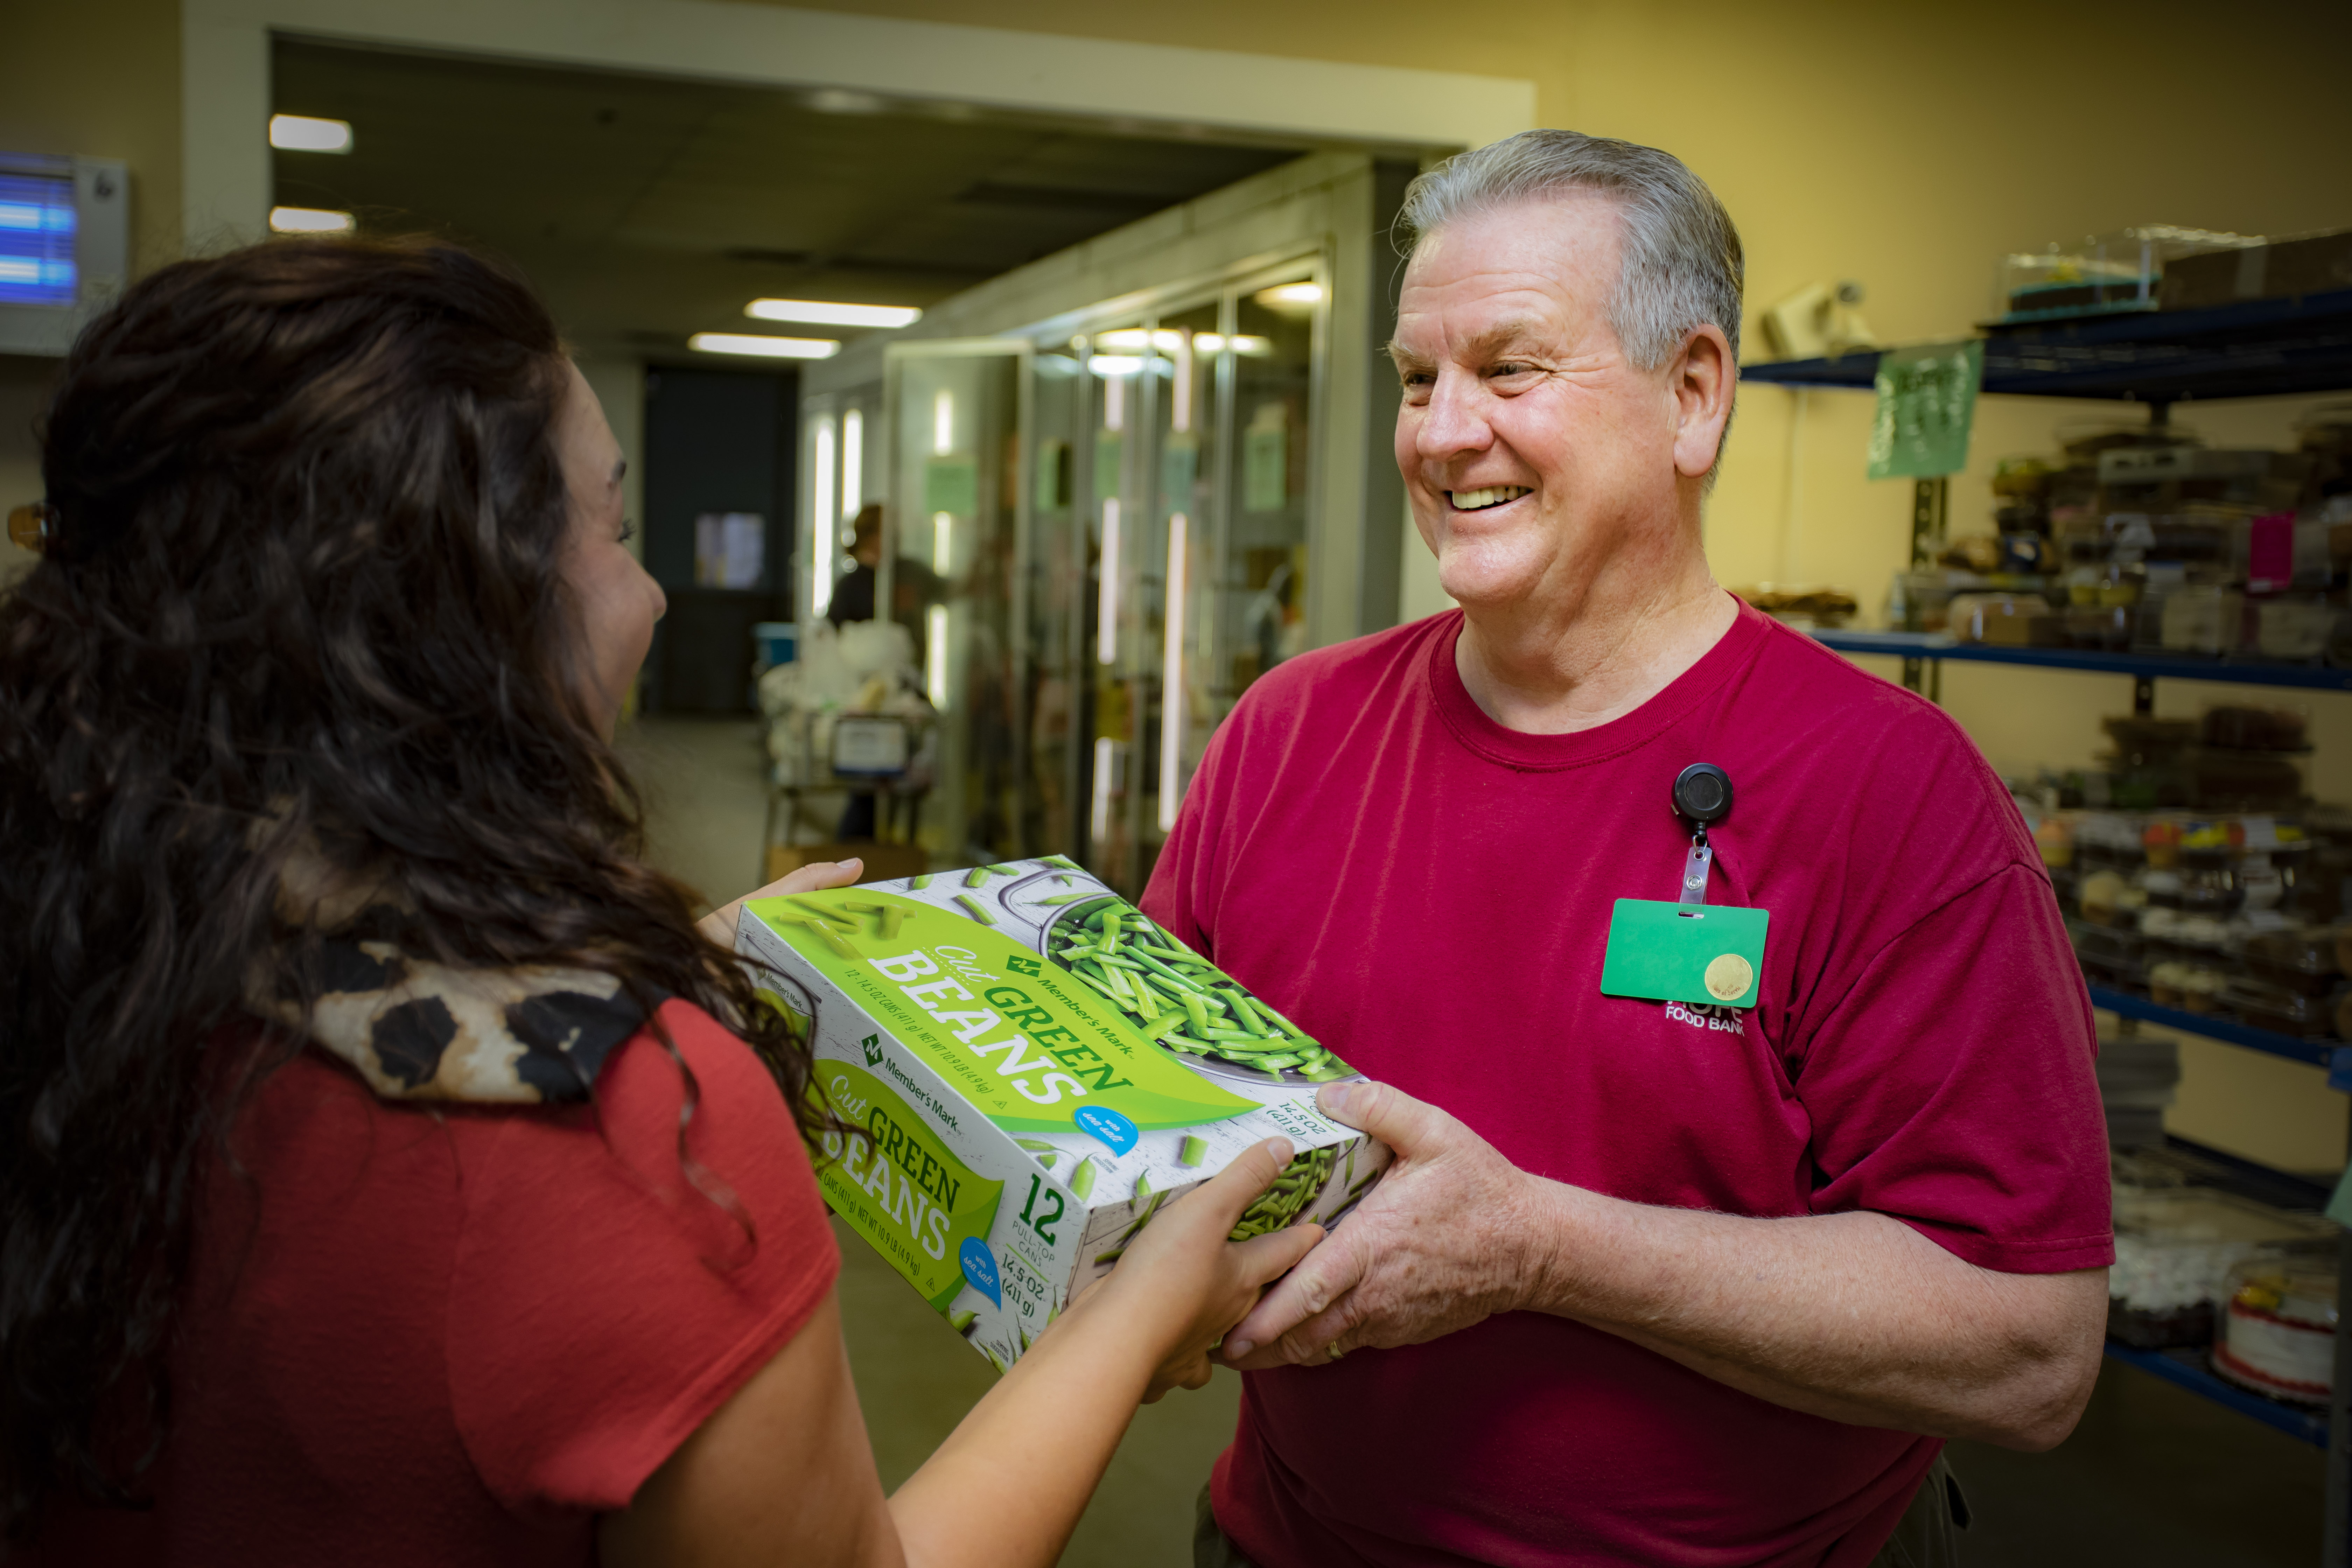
(1438, 1246)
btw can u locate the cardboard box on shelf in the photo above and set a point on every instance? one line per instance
(1029, 1070)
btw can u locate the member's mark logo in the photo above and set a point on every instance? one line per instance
(872, 1046)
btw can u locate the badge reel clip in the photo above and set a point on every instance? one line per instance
(1702, 798)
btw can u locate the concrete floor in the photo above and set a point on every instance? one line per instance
(2153, 1476)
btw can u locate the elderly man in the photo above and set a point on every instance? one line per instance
(1654, 1279)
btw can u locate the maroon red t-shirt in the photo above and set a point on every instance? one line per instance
(1430, 894)
(455, 1336)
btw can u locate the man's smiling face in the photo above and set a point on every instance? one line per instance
(1532, 451)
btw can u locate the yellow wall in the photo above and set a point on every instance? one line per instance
(102, 79)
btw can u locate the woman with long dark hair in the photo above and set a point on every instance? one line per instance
(390, 1168)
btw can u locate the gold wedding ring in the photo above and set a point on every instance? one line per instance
(1335, 1352)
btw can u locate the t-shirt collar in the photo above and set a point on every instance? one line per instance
(1516, 749)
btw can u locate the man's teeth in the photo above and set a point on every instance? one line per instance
(1493, 495)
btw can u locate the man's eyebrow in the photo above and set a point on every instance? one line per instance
(1513, 332)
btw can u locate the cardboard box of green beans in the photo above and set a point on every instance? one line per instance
(1034, 1068)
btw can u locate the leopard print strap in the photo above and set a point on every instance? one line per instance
(415, 1029)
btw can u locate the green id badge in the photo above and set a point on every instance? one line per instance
(1704, 953)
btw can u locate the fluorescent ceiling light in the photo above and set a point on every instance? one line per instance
(1291, 294)
(832, 313)
(1113, 365)
(310, 220)
(763, 346)
(1129, 340)
(301, 133)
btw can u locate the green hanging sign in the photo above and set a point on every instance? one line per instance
(1927, 403)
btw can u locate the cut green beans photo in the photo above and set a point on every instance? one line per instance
(1176, 996)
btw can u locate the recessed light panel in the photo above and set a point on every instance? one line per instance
(832, 313)
(301, 133)
(761, 346)
(310, 220)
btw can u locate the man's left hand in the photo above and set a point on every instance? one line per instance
(1436, 1246)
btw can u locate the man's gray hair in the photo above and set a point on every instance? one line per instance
(1681, 264)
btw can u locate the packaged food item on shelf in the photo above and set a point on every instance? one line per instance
(2253, 268)
(2054, 836)
(2121, 270)
(2266, 1005)
(2082, 440)
(1030, 1068)
(2005, 620)
(2192, 988)
(2138, 1076)
(2222, 779)
(1804, 606)
(2277, 1335)
(2303, 959)
(2143, 742)
(2295, 631)
(2246, 727)
(2208, 882)
(2200, 618)
(2108, 953)
(2107, 898)
(2175, 1250)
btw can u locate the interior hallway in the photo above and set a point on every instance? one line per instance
(2153, 1476)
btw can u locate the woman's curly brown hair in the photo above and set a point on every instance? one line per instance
(303, 588)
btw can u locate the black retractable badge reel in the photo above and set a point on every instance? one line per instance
(1689, 951)
(1702, 798)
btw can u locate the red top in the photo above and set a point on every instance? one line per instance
(1430, 894)
(457, 1335)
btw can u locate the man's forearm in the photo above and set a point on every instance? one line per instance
(1855, 1317)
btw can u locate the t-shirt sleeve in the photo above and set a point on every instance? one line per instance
(601, 1307)
(1953, 1087)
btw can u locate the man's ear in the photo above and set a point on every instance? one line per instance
(1704, 381)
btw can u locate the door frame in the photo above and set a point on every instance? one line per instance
(894, 357)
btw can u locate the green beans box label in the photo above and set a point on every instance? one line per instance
(899, 1187)
(1707, 954)
(1026, 1070)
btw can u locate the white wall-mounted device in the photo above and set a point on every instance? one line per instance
(65, 246)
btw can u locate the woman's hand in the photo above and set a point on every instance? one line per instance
(1182, 1284)
(719, 925)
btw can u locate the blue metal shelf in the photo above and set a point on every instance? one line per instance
(2135, 666)
(2186, 1368)
(2318, 1053)
(2260, 348)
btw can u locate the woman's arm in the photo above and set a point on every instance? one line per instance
(783, 1471)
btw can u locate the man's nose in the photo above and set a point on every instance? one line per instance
(1454, 420)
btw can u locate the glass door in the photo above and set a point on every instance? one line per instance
(955, 534)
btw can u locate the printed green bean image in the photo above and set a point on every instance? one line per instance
(1194, 1152)
(1082, 1180)
(1293, 1193)
(1176, 996)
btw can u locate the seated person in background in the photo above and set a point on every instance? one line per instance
(393, 1171)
